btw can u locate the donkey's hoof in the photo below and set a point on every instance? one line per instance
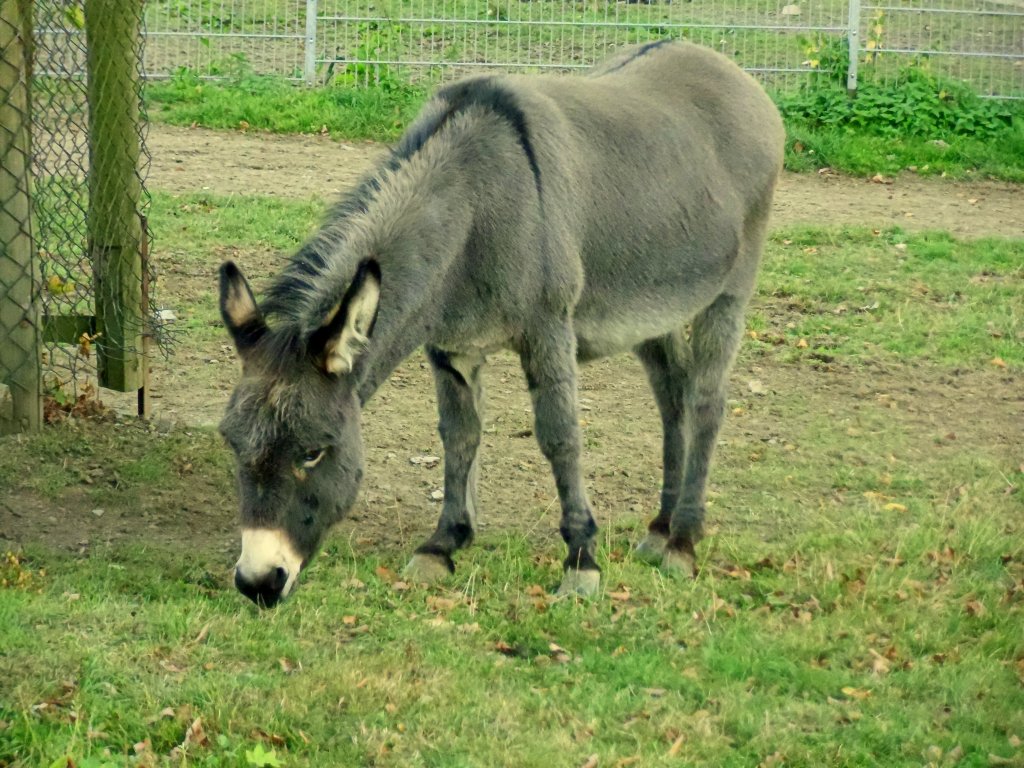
(426, 569)
(652, 549)
(580, 583)
(680, 562)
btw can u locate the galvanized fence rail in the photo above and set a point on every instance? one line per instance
(980, 42)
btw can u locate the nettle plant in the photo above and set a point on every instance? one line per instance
(913, 102)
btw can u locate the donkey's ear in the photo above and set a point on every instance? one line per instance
(238, 308)
(345, 331)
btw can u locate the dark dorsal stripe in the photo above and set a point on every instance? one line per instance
(483, 92)
(636, 55)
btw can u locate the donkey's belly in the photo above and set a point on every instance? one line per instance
(620, 330)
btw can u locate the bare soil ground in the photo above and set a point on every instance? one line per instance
(928, 407)
(195, 159)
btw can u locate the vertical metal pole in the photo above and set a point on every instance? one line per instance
(309, 70)
(144, 401)
(19, 281)
(853, 38)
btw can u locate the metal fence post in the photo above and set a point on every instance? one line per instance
(19, 283)
(309, 68)
(853, 38)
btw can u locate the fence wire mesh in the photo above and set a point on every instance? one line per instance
(91, 278)
(214, 38)
(19, 281)
(980, 42)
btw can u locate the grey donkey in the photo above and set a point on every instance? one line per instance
(563, 217)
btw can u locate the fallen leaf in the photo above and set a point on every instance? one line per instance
(203, 634)
(386, 573)
(591, 762)
(507, 650)
(676, 746)
(349, 621)
(856, 693)
(975, 608)
(998, 362)
(894, 507)
(195, 735)
(436, 603)
(879, 663)
(288, 666)
(559, 654)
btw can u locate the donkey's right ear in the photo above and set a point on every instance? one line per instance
(238, 308)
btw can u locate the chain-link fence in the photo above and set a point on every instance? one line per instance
(20, 403)
(980, 42)
(83, 274)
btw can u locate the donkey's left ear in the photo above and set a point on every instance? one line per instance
(238, 308)
(345, 331)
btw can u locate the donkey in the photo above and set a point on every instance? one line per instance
(563, 217)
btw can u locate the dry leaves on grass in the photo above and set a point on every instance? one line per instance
(195, 737)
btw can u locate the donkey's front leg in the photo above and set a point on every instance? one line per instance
(460, 404)
(549, 361)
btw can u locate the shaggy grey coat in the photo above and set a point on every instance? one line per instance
(563, 217)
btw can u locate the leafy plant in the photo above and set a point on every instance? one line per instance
(375, 41)
(916, 102)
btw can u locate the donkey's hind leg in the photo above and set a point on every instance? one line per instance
(667, 361)
(549, 362)
(459, 387)
(715, 337)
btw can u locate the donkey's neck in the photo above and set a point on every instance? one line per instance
(419, 225)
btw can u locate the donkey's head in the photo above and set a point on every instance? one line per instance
(293, 423)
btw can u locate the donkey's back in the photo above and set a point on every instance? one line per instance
(655, 176)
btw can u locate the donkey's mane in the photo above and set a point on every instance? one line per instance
(318, 274)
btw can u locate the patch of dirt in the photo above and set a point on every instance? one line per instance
(195, 159)
(922, 408)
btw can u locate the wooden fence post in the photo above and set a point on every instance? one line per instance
(19, 281)
(115, 233)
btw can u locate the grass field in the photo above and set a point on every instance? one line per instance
(860, 602)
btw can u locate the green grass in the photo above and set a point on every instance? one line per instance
(865, 638)
(861, 606)
(894, 295)
(808, 149)
(275, 105)
(269, 104)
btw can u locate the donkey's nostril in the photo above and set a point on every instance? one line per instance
(279, 578)
(265, 591)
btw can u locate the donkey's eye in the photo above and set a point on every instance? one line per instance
(311, 458)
